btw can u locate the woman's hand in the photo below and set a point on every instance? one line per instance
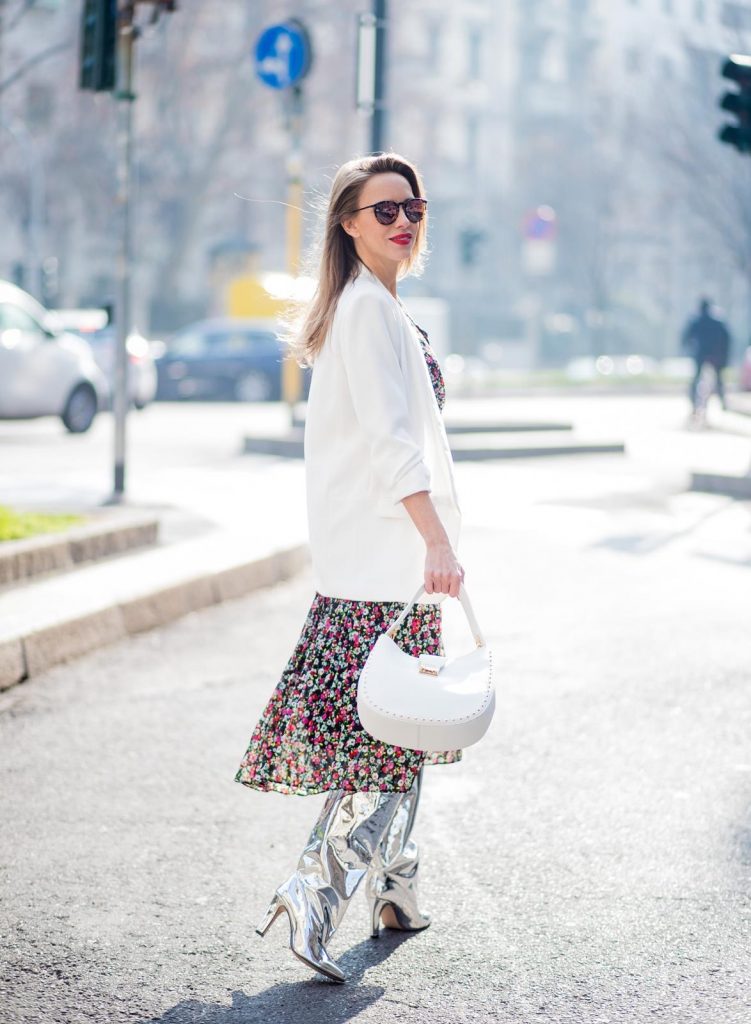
(443, 573)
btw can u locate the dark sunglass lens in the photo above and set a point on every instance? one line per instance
(415, 210)
(386, 212)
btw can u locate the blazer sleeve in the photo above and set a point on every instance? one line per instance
(369, 346)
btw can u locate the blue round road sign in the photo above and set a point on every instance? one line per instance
(282, 55)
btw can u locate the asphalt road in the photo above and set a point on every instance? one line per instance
(590, 861)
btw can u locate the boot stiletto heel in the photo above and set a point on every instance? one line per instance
(304, 940)
(275, 909)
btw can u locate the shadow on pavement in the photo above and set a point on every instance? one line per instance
(312, 1001)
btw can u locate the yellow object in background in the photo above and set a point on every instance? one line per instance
(248, 297)
(268, 296)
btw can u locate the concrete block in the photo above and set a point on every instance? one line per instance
(263, 572)
(12, 663)
(466, 449)
(291, 446)
(241, 580)
(69, 639)
(20, 559)
(162, 606)
(738, 487)
(40, 556)
(91, 546)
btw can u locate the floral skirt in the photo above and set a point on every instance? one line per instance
(309, 738)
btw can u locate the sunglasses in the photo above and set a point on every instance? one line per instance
(387, 210)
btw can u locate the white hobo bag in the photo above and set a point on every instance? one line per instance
(429, 703)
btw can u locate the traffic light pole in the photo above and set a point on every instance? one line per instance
(126, 35)
(108, 35)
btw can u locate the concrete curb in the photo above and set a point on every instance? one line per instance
(535, 451)
(480, 426)
(287, 446)
(60, 552)
(506, 427)
(738, 487)
(34, 651)
(466, 445)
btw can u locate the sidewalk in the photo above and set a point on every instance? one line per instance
(63, 617)
(217, 541)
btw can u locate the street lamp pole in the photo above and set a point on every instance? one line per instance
(378, 119)
(126, 36)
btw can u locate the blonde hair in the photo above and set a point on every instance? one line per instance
(338, 262)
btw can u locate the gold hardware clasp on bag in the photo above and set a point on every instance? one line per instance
(431, 664)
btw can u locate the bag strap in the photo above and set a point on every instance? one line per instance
(465, 603)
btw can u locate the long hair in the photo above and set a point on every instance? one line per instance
(338, 262)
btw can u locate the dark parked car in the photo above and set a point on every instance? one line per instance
(223, 359)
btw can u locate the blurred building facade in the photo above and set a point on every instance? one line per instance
(602, 112)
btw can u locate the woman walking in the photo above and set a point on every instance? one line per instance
(382, 515)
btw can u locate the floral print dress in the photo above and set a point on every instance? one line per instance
(309, 738)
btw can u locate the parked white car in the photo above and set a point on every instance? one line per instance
(45, 371)
(92, 325)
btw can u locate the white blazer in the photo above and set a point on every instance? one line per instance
(373, 435)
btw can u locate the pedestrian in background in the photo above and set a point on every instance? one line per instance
(382, 516)
(707, 340)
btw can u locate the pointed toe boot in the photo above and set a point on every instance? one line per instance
(341, 846)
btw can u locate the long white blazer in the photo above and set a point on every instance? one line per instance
(373, 435)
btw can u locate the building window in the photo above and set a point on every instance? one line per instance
(474, 53)
(40, 105)
(472, 141)
(736, 16)
(433, 44)
(666, 68)
(667, 6)
(700, 10)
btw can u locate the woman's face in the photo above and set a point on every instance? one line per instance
(382, 243)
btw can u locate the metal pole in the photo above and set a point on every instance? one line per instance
(294, 107)
(2, 42)
(125, 96)
(378, 120)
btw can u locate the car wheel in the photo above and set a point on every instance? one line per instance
(80, 409)
(253, 387)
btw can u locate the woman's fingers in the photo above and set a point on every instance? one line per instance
(444, 580)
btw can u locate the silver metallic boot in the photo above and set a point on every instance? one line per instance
(392, 878)
(335, 859)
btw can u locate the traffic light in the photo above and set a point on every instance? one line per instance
(98, 45)
(469, 240)
(738, 69)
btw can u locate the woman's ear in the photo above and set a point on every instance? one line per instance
(350, 227)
